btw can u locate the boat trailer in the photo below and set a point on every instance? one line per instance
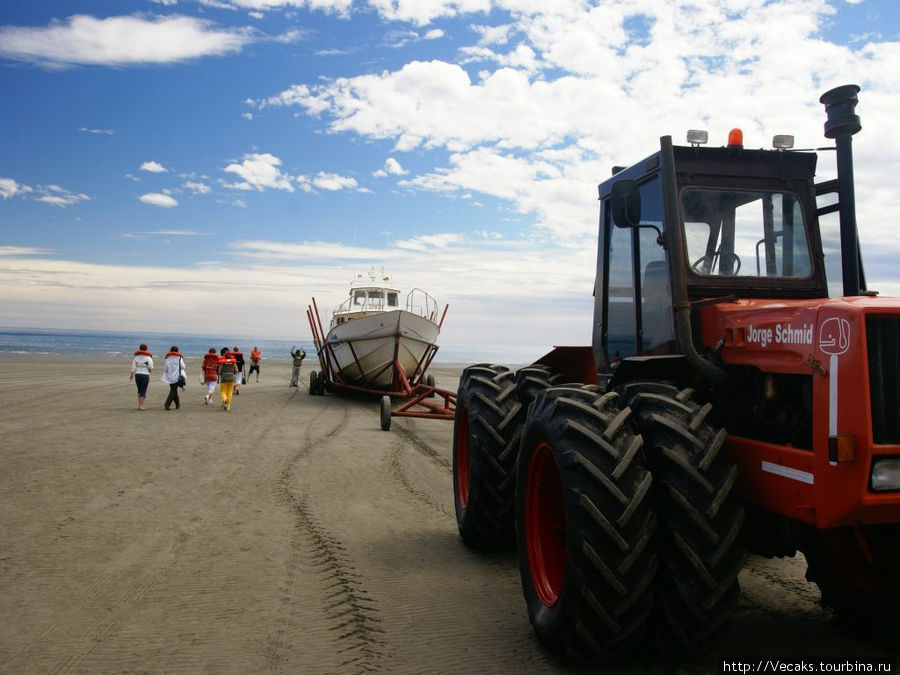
(421, 398)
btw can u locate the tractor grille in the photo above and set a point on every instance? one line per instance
(883, 338)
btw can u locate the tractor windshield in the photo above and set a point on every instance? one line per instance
(744, 233)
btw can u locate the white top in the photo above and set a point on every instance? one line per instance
(141, 364)
(173, 368)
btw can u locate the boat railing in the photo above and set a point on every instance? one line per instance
(419, 302)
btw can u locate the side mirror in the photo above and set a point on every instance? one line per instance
(625, 203)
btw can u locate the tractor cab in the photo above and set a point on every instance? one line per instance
(691, 224)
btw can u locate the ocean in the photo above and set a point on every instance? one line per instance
(45, 342)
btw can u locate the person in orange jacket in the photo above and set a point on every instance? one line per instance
(255, 357)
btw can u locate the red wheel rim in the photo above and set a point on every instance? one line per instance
(545, 525)
(462, 457)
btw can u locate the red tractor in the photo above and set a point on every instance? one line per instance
(726, 404)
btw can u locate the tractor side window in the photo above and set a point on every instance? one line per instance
(620, 321)
(657, 326)
(747, 234)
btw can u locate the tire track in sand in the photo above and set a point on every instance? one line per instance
(350, 614)
(396, 468)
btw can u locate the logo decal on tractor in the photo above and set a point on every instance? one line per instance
(834, 336)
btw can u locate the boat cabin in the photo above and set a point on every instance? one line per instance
(366, 297)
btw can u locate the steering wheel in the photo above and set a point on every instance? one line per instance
(736, 262)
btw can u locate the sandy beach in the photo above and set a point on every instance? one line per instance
(288, 535)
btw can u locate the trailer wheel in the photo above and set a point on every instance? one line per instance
(486, 431)
(430, 382)
(532, 380)
(385, 413)
(700, 518)
(584, 525)
(313, 383)
(857, 569)
(320, 383)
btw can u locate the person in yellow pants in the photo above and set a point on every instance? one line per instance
(227, 376)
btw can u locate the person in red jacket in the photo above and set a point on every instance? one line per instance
(210, 368)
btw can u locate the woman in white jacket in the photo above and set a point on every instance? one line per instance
(141, 367)
(173, 371)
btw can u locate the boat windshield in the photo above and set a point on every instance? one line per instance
(370, 300)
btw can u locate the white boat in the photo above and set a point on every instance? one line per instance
(375, 342)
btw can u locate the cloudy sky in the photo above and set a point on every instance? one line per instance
(208, 166)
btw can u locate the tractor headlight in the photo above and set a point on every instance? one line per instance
(886, 475)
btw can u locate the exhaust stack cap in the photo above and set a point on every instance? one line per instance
(839, 105)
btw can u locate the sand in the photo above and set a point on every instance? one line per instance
(288, 535)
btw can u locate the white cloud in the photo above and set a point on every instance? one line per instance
(119, 41)
(391, 168)
(422, 12)
(197, 188)
(10, 188)
(15, 251)
(157, 199)
(99, 132)
(58, 196)
(153, 167)
(257, 7)
(328, 181)
(259, 172)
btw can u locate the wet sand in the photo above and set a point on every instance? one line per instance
(288, 535)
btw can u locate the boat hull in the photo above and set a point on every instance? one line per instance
(363, 350)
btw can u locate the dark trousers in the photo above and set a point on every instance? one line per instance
(173, 397)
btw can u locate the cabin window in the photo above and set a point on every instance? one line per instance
(359, 297)
(376, 298)
(392, 300)
(746, 234)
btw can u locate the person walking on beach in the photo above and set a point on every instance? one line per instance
(239, 362)
(210, 368)
(227, 374)
(175, 375)
(298, 355)
(141, 367)
(254, 363)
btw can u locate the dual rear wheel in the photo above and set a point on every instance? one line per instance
(625, 517)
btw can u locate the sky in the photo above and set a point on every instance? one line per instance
(209, 166)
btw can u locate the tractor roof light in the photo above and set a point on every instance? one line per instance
(783, 142)
(735, 139)
(886, 475)
(697, 137)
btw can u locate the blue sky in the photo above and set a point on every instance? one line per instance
(209, 165)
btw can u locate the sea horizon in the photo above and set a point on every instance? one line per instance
(35, 342)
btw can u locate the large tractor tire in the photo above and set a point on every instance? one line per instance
(857, 569)
(532, 380)
(700, 518)
(486, 432)
(584, 525)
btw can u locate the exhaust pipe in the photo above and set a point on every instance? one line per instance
(842, 123)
